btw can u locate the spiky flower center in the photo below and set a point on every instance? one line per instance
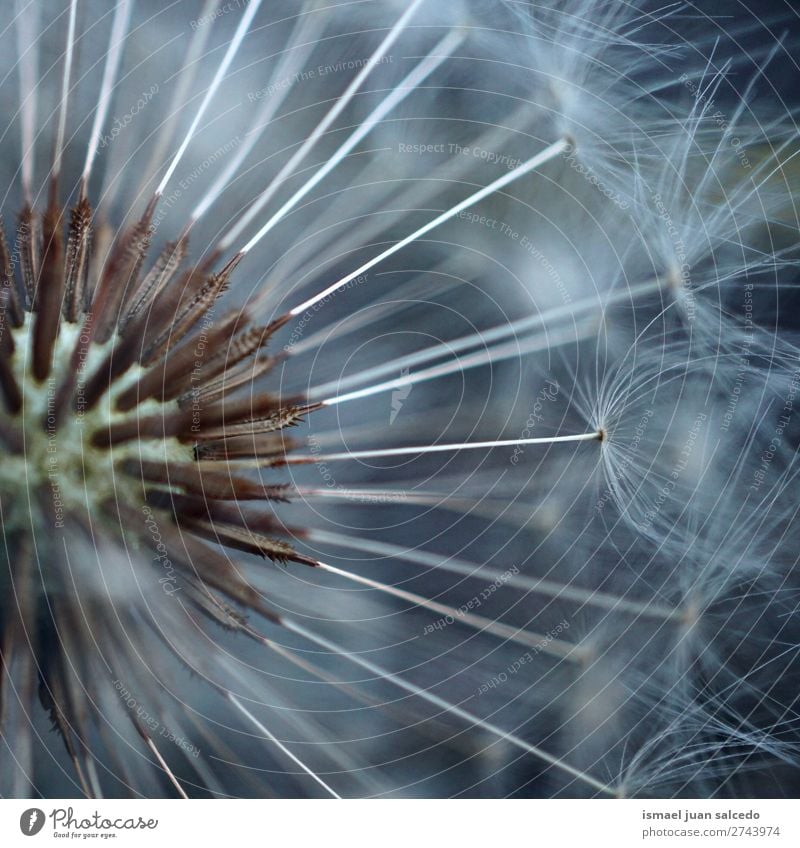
(58, 453)
(122, 389)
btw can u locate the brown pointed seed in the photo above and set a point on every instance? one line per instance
(12, 308)
(77, 262)
(49, 295)
(120, 275)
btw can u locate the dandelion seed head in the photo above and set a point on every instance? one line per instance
(422, 393)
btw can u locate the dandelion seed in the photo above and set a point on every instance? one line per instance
(567, 569)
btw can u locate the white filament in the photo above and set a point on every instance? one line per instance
(62, 115)
(555, 149)
(446, 706)
(478, 571)
(230, 53)
(163, 763)
(274, 739)
(302, 41)
(28, 50)
(186, 76)
(423, 449)
(480, 623)
(483, 337)
(119, 29)
(441, 52)
(320, 129)
(510, 350)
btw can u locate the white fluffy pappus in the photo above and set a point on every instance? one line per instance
(504, 505)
